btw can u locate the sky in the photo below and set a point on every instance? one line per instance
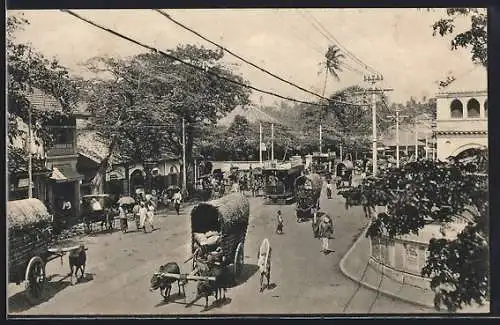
(396, 42)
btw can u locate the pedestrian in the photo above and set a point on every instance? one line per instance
(279, 226)
(123, 218)
(315, 222)
(236, 187)
(329, 189)
(143, 211)
(135, 211)
(177, 198)
(150, 215)
(325, 232)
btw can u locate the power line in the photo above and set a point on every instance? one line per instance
(192, 65)
(164, 14)
(349, 53)
(323, 31)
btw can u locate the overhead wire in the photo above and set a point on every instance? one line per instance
(206, 70)
(336, 41)
(164, 14)
(187, 63)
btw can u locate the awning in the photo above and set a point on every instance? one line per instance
(62, 174)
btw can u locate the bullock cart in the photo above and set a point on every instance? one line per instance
(308, 190)
(32, 245)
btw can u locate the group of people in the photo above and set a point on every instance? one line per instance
(144, 211)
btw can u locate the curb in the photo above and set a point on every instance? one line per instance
(369, 286)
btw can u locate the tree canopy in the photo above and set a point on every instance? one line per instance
(440, 192)
(28, 69)
(475, 38)
(148, 95)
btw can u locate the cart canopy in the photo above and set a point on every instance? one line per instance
(312, 181)
(27, 213)
(221, 214)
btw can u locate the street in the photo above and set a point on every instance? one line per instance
(303, 280)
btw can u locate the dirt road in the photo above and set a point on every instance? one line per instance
(304, 281)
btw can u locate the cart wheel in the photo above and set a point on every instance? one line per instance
(238, 260)
(35, 279)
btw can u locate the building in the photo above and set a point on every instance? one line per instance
(123, 177)
(18, 178)
(462, 115)
(58, 161)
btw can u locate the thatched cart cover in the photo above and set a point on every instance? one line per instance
(26, 214)
(221, 214)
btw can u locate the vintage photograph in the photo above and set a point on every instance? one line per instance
(247, 161)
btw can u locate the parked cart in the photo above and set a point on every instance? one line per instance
(31, 245)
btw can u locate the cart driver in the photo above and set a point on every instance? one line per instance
(96, 205)
(216, 257)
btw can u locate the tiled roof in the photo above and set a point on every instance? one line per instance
(91, 145)
(251, 112)
(42, 101)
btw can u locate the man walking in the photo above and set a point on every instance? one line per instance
(143, 211)
(150, 215)
(279, 226)
(325, 233)
(177, 198)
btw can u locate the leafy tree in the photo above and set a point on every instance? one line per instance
(28, 69)
(439, 192)
(148, 96)
(331, 65)
(475, 38)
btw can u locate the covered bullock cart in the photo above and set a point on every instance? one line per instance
(308, 191)
(31, 245)
(343, 173)
(218, 230)
(280, 183)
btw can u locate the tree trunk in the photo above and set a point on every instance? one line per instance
(326, 79)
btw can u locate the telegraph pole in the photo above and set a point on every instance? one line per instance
(184, 154)
(397, 116)
(373, 79)
(260, 144)
(320, 139)
(341, 156)
(272, 142)
(30, 163)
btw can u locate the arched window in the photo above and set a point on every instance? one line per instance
(457, 109)
(172, 170)
(473, 108)
(486, 108)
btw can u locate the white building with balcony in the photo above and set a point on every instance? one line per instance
(462, 114)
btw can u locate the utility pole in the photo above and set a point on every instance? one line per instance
(416, 143)
(373, 79)
(341, 156)
(260, 144)
(184, 154)
(320, 138)
(397, 116)
(30, 163)
(426, 149)
(272, 142)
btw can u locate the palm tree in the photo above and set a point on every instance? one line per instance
(332, 63)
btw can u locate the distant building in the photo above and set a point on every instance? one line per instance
(122, 177)
(462, 115)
